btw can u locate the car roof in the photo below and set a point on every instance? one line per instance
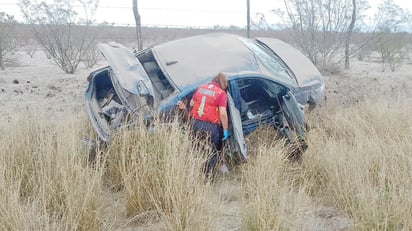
(193, 60)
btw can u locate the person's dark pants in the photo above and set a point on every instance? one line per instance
(203, 130)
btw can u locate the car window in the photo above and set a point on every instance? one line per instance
(270, 62)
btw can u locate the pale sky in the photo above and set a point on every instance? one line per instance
(197, 13)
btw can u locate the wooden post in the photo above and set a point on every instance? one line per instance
(248, 17)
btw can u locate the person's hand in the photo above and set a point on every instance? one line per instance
(225, 135)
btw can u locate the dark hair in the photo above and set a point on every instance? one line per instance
(221, 80)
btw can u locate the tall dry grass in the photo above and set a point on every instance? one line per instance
(271, 202)
(358, 162)
(363, 158)
(44, 179)
(47, 182)
(160, 173)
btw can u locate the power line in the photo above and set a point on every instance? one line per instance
(149, 8)
(157, 10)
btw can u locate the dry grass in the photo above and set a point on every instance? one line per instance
(45, 177)
(271, 201)
(358, 161)
(362, 159)
(160, 173)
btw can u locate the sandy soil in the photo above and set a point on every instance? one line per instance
(38, 84)
(366, 81)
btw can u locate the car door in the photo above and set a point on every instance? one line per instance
(128, 76)
(237, 142)
(264, 102)
(294, 116)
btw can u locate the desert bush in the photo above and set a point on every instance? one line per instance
(30, 46)
(91, 55)
(7, 43)
(60, 31)
(392, 49)
(363, 45)
(391, 42)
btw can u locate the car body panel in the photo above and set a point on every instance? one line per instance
(127, 70)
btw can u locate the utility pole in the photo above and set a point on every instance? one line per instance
(248, 17)
(138, 26)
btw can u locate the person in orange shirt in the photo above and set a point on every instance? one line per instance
(209, 116)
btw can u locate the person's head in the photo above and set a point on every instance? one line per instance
(221, 80)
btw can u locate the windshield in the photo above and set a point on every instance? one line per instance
(270, 62)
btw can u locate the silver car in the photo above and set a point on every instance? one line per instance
(270, 84)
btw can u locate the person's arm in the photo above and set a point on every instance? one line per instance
(223, 118)
(224, 122)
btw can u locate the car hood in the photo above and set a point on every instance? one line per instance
(303, 69)
(126, 69)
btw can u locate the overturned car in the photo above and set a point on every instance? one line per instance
(270, 83)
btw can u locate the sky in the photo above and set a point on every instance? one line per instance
(184, 13)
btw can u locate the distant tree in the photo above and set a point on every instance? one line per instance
(390, 42)
(90, 56)
(29, 45)
(321, 28)
(362, 45)
(260, 23)
(7, 24)
(392, 49)
(349, 34)
(60, 31)
(138, 25)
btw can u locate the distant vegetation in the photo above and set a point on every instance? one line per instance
(329, 33)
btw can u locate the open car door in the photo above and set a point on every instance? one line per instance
(236, 140)
(126, 87)
(294, 116)
(128, 75)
